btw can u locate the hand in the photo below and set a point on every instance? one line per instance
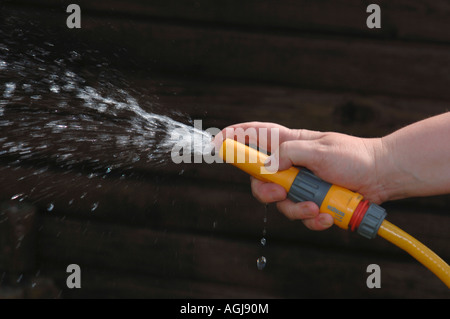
(336, 158)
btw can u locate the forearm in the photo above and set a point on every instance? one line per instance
(416, 159)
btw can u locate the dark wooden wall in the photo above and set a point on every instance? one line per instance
(303, 64)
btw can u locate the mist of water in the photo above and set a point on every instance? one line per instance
(57, 113)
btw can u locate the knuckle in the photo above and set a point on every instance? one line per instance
(287, 210)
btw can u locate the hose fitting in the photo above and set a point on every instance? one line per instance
(371, 221)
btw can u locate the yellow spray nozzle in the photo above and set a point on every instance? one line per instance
(300, 184)
(252, 161)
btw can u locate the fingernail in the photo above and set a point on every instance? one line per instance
(325, 221)
(267, 162)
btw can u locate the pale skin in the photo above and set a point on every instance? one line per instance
(413, 161)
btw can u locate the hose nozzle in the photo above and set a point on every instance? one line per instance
(302, 185)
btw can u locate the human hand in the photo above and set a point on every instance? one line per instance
(337, 158)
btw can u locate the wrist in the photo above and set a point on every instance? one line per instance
(378, 189)
(383, 174)
(393, 179)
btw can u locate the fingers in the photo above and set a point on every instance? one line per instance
(254, 133)
(308, 212)
(293, 153)
(304, 135)
(262, 134)
(267, 192)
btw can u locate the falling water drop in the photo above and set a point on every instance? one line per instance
(263, 241)
(50, 207)
(261, 262)
(94, 206)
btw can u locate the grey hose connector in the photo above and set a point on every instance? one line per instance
(371, 221)
(308, 187)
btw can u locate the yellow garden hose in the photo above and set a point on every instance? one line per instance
(416, 249)
(349, 209)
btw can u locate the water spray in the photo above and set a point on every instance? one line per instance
(349, 210)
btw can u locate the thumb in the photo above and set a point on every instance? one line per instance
(292, 153)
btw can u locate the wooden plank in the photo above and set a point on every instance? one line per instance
(320, 62)
(120, 284)
(222, 103)
(292, 271)
(219, 209)
(327, 63)
(410, 20)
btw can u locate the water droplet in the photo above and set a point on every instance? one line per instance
(108, 170)
(54, 88)
(20, 278)
(9, 90)
(16, 196)
(94, 206)
(261, 262)
(50, 207)
(263, 241)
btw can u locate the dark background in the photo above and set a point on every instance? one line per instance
(302, 64)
